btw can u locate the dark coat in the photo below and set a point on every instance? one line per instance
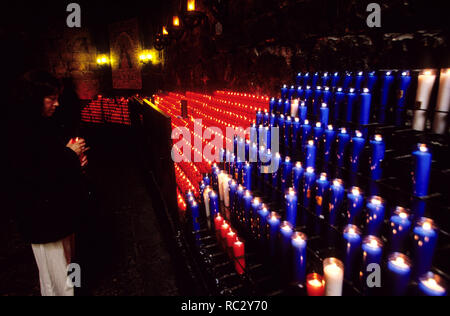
(45, 182)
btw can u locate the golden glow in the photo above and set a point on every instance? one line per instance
(164, 31)
(423, 148)
(427, 226)
(191, 5)
(176, 21)
(102, 60)
(149, 55)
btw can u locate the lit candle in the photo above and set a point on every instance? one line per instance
(284, 92)
(308, 94)
(348, 79)
(259, 118)
(330, 138)
(334, 276)
(280, 106)
(421, 175)
(376, 159)
(294, 107)
(318, 132)
(224, 230)
(206, 180)
(366, 101)
(274, 221)
(267, 132)
(287, 107)
(230, 240)
(263, 214)
(286, 232)
(325, 79)
(326, 96)
(443, 103)
(310, 179)
(399, 270)
(306, 132)
(324, 114)
(399, 231)
(343, 139)
(358, 143)
(375, 215)
(291, 206)
(353, 240)
(425, 86)
(306, 79)
(195, 213)
(317, 98)
(311, 152)
(206, 203)
(355, 204)
(372, 254)
(432, 285)
(233, 194)
(315, 285)
(351, 103)
(339, 99)
(240, 202)
(273, 118)
(286, 172)
(359, 80)
(425, 241)
(287, 134)
(299, 79)
(247, 203)
(239, 256)
(303, 112)
(372, 80)
(291, 92)
(404, 84)
(213, 203)
(335, 80)
(272, 105)
(218, 222)
(322, 188)
(299, 241)
(388, 80)
(336, 200)
(251, 219)
(298, 172)
(276, 175)
(315, 79)
(296, 126)
(247, 176)
(300, 92)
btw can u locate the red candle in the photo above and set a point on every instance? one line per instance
(315, 285)
(231, 239)
(223, 233)
(239, 256)
(218, 222)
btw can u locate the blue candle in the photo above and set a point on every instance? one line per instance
(372, 80)
(359, 80)
(351, 103)
(299, 79)
(422, 169)
(263, 214)
(306, 79)
(343, 139)
(358, 143)
(311, 152)
(308, 94)
(376, 159)
(233, 194)
(247, 206)
(353, 240)
(372, 254)
(318, 132)
(335, 80)
(400, 226)
(259, 118)
(268, 135)
(261, 136)
(274, 221)
(425, 241)
(206, 180)
(213, 204)
(375, 215)
(355, 204)
(303, 112)
(298, 172)
(317, 101)
(296, 127)
(272, 105)
(315, 79)
(287, 107)
(330, 138)
(195, 213)
(324, 114)
(322, 188)
(432, 285)
(347, 81)
(399, 271)
(266, 118)
(275, 175)
(286, 232)
(254, 153)
(280, 106)
(339, 99)
(325, 79)
(286, 178)
(337, 192)
(273, 119)
(287, 133)
(299, 241)
(247, 176)
(310, 179)
(388, 80)
(300, 92)
(306, 132)
(291, 92)
(253, 216)
(404, 84)
(284, 92)
(366, 101)
(215, 177)
(291, 206)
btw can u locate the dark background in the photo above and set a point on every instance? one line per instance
(263, 43)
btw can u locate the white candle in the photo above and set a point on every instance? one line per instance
(226, 190)
(424, 89)
(206, 201)
(443, 103)
(334, 276)
(294, 108)
(221, 178)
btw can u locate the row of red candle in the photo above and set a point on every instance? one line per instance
(230, 243)
(181, 203)
(244, 98)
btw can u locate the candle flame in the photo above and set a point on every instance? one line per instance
(306, 122)
(298, 164)
(427, 226)
(337, 182)
(376, 200)
(315, 283)
(324, 105)
(311, 143)
(378, 138)
(323, 176)
(330, 127)
(427, 72)
(358, 134)
(310, 170)
(318, 124)
(423, 148)
(356, 191)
